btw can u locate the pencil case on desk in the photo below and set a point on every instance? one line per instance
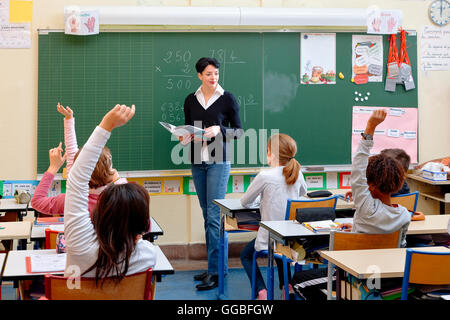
(319, 194)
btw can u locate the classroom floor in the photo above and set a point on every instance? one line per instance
(181, 286)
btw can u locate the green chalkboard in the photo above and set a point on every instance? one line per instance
(156, 71)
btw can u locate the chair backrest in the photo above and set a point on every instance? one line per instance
(293, 205)
(424, 267)
(50, 238)
(340, 240)
(133, 287)
(407, 200)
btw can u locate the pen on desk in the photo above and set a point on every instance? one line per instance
(309, 227)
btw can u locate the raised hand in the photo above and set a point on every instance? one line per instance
(66, 112)
(56, 159)
(375, 119)
(117, 117)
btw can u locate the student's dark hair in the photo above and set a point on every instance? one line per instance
(399, 155)
(385, 173)
(122, 213)
(202, 63)
(284, 148)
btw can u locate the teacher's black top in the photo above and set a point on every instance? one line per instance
(224, 112)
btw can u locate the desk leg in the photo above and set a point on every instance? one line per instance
(221, 257)
(270, 271)
(338, 283)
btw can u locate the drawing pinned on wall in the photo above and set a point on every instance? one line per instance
(318, 58)
(367, 58)
(4, 12)
(80, 22)
(383, 21)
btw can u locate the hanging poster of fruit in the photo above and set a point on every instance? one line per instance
(317, 58)
(367, 59)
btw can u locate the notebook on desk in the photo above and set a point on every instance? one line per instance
(42, 263)
(322, 226)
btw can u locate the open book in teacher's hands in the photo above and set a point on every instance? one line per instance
(180, 131)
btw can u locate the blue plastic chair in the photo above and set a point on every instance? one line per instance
(425, 267)
(291, 208)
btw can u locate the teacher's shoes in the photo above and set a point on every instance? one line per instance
(201, 276)
(209, 282)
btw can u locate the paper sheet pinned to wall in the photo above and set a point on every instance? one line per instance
(398, 130)
(16, 18)
(435, 48)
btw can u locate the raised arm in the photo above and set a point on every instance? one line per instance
(78, 228)
(40, 201)
(361, 194)
(70, 138)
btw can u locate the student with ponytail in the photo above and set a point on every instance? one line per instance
(274, 186)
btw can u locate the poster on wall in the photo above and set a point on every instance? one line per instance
(367, 58)
(383, 21)
(435, 48)
(398, 130)
(15, 24)
(317, 58)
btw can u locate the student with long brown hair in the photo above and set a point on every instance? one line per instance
(111, 245)
(275, 186)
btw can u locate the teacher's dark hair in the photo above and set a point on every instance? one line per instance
(202, 63)
(121, 215)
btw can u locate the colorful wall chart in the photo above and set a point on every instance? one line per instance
(367, 58)
(398, 130)
(318, 58)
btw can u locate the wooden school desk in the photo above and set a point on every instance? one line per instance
(10, 206)
(283, 231)
(229, 208)
(15, 267)
(16, 230)
(390, 263)
(38, 231)
(435, 195)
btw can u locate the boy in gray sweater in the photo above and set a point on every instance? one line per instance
(374, 179)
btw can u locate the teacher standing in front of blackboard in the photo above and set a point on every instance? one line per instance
(217, 112)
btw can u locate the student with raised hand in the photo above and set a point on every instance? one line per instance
(103, 174)
(401, 156)
(373, 180)
(275, 186)
(111, 245)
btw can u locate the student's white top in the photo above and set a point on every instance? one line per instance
(274, 191)
(81, 239)
(201, 99)
(372, 215)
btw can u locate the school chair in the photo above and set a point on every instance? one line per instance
(341, 240)
(293, 205)
(137, 286)
(50, 238)
(291, 209)
(430, 268)
(407, 200)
